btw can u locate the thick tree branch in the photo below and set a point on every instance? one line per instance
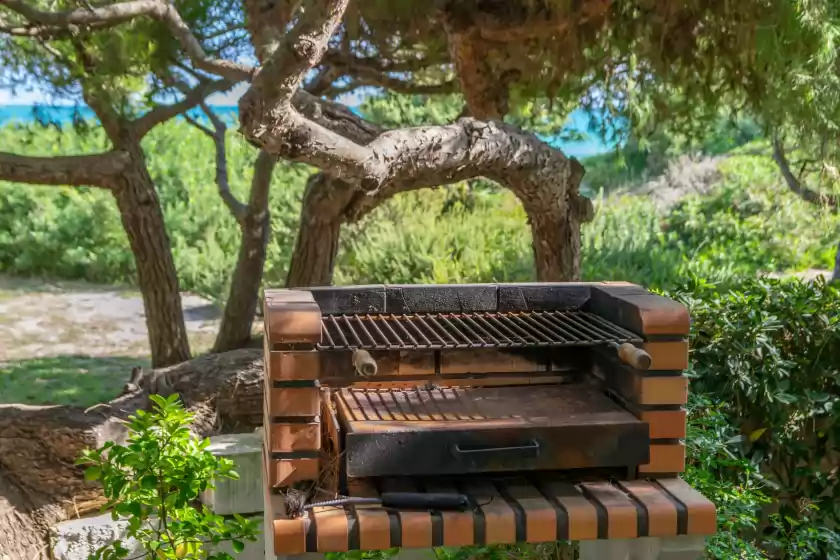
(795, 185)
(97, 170)
(304, 47)
(543, 178)
(192, 97)
(217, 135)
(486, 95)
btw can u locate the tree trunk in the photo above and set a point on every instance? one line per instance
(241, 306)
(142, 218)
(330, 203)
(324, 206)
(836, 276)
(40, 485)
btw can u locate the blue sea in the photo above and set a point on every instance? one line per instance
(590, 145)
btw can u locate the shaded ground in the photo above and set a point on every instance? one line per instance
(75, 343)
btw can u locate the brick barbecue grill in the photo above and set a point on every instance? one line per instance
(512, 412)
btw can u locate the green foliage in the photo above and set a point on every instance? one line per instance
(155, 481)
(641, 158)
(465, 233)
(767, 353)
(752, 222)
(128, 68)
(718, 469)
(77, 234)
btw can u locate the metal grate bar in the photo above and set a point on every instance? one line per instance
(508, 325)
(565, 323)
(470, 330)
(352, 331)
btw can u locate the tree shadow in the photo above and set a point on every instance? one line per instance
(80, 381)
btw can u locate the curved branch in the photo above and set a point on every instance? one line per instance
(217, 135)
(193, 97)
(795, 185)
(96, 170)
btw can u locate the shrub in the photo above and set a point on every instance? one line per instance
(154, 481)
(767, 354)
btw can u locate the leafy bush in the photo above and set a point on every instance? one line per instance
(641, 159)
(752, 222)
(767, 353)
(154, 481)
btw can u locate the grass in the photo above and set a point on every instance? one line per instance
(66, 380)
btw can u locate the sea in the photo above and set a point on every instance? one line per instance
(586, 145)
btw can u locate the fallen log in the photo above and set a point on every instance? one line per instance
(39, 483)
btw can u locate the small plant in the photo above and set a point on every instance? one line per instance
(155, 481)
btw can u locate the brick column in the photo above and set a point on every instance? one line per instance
(293, 404)
(655, 395)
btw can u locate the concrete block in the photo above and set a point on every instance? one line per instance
(682, 548)
(78, 539)
(243, 496)
(618, 549)
(670, 548)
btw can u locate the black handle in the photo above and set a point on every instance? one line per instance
(532, 449)
(417, 500)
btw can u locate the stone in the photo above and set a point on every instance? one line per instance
(78, 539)
(243, 496)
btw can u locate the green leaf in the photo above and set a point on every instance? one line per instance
(149, 482)
(238, 546)
(92, 473)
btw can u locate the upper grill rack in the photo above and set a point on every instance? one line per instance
(439, 331)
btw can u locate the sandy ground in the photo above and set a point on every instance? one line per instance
(40, 319)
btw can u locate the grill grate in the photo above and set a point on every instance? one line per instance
(440, 331)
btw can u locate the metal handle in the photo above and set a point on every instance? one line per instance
(533, 445)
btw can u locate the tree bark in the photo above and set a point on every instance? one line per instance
(316, 248)
(836, 276)
(40, 485)
(142, 219)
(241, 306)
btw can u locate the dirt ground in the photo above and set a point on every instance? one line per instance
(75, 343)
